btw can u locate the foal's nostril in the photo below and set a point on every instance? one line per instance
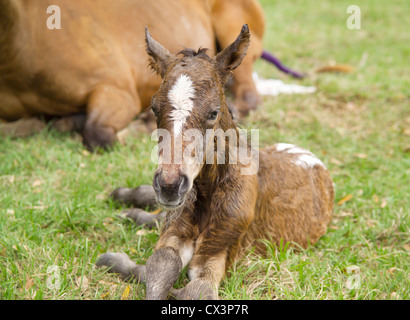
(183, 187)
(155, 183)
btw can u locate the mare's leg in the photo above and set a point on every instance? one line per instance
(109, 110)
(243, 87)
(228, 16)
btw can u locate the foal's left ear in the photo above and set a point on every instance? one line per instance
(160, 57)
(231, 57)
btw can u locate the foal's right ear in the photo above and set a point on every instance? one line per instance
(231, 57)
(160, 57)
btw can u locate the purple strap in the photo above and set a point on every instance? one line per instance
(272, 59)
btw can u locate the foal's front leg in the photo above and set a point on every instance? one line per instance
(215, 250)
(217, 247)
(205, 274)
(162, 271)
(173, 252)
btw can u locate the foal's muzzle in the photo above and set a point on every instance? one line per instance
(171, 192)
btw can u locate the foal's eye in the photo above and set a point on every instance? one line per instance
(213, 115)
(154, 110)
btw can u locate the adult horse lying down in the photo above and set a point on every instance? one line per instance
(216, 211)
(94, 68)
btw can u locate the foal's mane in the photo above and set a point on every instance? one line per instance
(189, 53)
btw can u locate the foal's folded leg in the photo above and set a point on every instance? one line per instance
(121, 264)
(140, 197)
(141, 217)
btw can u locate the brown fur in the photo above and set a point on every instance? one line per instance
(225, 212)
(96, 63)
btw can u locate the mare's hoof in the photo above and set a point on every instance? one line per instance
(97, 138)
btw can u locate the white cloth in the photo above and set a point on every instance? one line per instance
(273, 87)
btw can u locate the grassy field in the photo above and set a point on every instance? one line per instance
(53, 201)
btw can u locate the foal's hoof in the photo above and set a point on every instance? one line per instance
(194, 290)
(141, 217)
(121, 264)
(140, 197)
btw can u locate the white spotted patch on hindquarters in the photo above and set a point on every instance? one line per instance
(306, 158)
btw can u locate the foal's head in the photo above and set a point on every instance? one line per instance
(189, 101)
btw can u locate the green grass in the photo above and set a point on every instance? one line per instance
(53, 200)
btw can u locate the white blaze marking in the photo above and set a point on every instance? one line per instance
(180, 97)
(306, 159)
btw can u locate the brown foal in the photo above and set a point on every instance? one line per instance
(217, 210)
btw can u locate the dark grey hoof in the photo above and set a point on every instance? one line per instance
(121, 264)
(140, 197)
(97, 138)
(70, 123)
(141, 217)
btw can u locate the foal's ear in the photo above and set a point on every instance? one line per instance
(160, 57)
(231, 57)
